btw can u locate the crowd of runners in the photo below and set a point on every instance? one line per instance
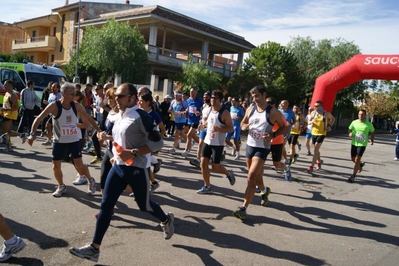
(132, 125)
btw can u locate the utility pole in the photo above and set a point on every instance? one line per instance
(76, 79)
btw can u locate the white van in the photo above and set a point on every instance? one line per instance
(40, 74)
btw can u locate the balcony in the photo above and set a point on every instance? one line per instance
(40, 43)
(176, 59)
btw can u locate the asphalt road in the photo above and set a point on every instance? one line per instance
(312, 220)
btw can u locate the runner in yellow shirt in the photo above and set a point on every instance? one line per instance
(321, 121)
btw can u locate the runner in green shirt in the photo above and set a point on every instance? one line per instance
(359, 131)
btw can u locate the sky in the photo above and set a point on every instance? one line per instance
(372, 25)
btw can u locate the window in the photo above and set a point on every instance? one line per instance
(33, 36)
(54, 31)
(32, 58)
(52, 58)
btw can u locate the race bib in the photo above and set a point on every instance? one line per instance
(69, 130)
(255, 134)
(192, 109)
(360, 137)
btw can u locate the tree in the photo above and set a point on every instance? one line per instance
(197, 75)
(11, 57)
(380, 104)
(115, 48)
(318, 57)
(276, 67)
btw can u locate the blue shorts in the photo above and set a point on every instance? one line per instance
(309, 135)
(236, 132)
(202, 134)
(60, 149)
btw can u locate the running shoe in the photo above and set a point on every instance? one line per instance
(310, 169)
(257, 190)
(265, 197)
(318, 166)
(59, 191)
(233, 150)
(88, 145)
(231, 177)
(23, 138)
(96, 159)
(287, 173)
(204, 190)
(172, 150)
(168, 228)
(157, 166)
(299, 147)
(309, 153)
(395, 159)
(92, 187)
(351, 179)
(240, 213)
(196, 162)
(4, 140)
(154, 186)
(184, 154)
(8, 250)
(80, 180)
(86, 252)
(237, 157)
(361, 166)
(295, 157)
(46, 142)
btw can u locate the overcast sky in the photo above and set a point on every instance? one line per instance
(370, 24)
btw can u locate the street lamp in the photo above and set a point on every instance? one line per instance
(76, 79)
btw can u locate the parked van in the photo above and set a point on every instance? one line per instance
(40, 74)
(9, 74)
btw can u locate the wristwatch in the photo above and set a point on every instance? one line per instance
(134, 152)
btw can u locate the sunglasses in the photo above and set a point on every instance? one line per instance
(268, 102)
(316, 105)
(121, 96)
(215, 98)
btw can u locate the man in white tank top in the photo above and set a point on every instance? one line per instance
(66, 135)
(218, 123)
(259, 122)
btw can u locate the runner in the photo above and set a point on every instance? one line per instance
(259, 120)
(359, 131)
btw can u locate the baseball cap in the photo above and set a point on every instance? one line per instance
(178, 93)
(209, 93)
(168, 96)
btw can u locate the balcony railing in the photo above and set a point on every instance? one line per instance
(176, 59)
(35, 43)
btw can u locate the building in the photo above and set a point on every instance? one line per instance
(8, 33)
(170, 37)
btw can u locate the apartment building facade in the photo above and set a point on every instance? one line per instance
(170, 37)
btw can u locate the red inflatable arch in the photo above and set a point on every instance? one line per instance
(385, 67)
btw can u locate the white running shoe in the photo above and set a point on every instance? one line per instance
(8, 250)
(60, 190)
(233, 150)
(80, 180)
(92, 187)
(184, 154)
(237, 157)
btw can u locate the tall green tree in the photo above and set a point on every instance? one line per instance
(276, 67)
(115, 48)
(318, 57)
(199, 76)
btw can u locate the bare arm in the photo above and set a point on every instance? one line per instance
(226, 118)
(50, 109)
(245, 120)
(87, 119)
